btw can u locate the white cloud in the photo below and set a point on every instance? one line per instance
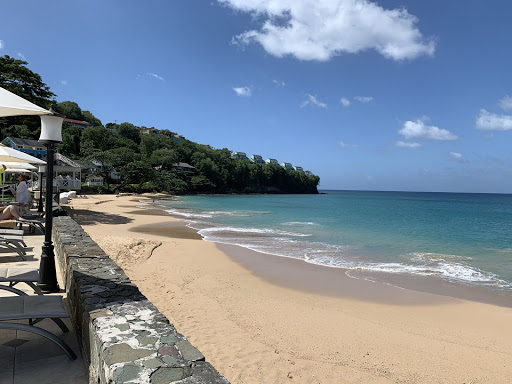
(406, 144)
(150, 75)
(243, 91)
(363, 99)
(322, 29)
(312, 101)
(279, 84)
(64, 82)
(419, 130)
(459, 157)
(21, 56)
(2, 44)
(506, 102)
(492, 122)
(345, 145)
(345, 102)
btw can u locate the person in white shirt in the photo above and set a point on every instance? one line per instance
(22, 192)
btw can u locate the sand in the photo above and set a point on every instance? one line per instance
(277, 320)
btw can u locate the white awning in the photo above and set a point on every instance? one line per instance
(14, 105)
(10, 154)
(16, 165)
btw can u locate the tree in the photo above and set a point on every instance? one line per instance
(91, 119)
(129, 131)
(136, 172)
(69, 109)
(17, 78)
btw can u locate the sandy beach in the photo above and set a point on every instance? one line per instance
(265, 319)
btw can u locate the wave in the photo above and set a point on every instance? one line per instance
(291, 223)
(249, 231)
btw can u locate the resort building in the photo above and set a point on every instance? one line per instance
(272, 161)
(300, 169)
(31, 147)
(287, 166)
(238, 155)
(257, 159)
(185, 168)
(77, 123)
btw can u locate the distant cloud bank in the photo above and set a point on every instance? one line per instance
(506, 102)
(345, 102)
(243, 91)
(322, 29)
(406, 144)
(493, 122)
(363, 99)
(150, 75)
(459, 157)
(313, 102)
(346, 145)
(419, 130)
(2, 44)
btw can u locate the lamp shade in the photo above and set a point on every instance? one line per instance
(51, 129)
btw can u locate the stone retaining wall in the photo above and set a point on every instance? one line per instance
(123, 337)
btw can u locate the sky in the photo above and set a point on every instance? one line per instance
(401, 95)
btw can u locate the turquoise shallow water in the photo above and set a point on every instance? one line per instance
(463, 238)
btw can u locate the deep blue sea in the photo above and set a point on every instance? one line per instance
(463, 238)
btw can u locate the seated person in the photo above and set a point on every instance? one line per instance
(8, 216)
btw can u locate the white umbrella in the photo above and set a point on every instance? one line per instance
(14, 105)
(17, 170)
(10, 154)
(17, 165)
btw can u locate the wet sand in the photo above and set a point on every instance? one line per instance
(273, 320)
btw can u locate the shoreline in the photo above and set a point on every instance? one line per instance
(256, 331)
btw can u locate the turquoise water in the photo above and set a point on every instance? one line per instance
(464, 238)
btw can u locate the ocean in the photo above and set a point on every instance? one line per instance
(461, 238)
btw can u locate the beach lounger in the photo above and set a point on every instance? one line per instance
(33, 224)
(13, 276)
(25, 307)
(18, 232)
(14, 243)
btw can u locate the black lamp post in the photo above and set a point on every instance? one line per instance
(51, 135)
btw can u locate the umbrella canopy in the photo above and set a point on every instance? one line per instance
(13, 105)
(17, 165)
(17, 170)
(10, 154)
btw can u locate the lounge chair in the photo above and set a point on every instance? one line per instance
(15, 243)
(5, 231)
(33, 224)
(25, 307)
(13, 276)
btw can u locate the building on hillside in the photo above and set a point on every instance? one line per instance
(272, 161)
(287, 166)
(164, 132)
(94, 181)
(297, 168)
(309, 173)
(238, 155)
(31, 147)
(257, 159)
(148, 130)
(78, 123)
(185, 168)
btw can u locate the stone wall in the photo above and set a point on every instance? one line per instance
(123, 337)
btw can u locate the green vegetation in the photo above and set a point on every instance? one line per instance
(145, 161)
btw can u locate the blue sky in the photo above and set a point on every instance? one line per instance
(387, 95)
